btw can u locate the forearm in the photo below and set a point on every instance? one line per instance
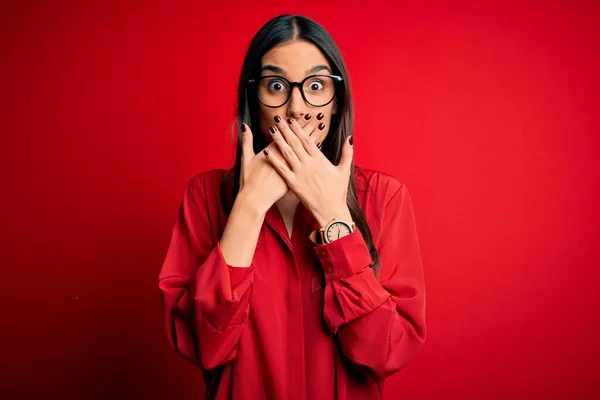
(376, 329)
(239, 239)
(381, 340)
(323, 215)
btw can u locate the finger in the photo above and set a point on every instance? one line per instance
(286, 151)
(304, 122)
(311, 127)
(274, 149)
(279, 165)
(307, 142)
(347, 155)
(247, 143)
(291, 138)
(319, 133)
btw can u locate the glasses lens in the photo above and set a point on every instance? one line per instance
(319, 90)
(274, 91)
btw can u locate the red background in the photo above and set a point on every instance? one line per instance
(487, 111)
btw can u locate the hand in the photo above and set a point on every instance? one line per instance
(258, 180)
(321, 186)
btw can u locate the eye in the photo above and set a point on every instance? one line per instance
(277, 86)
(316, 85)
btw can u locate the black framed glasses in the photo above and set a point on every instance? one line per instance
(317, 90)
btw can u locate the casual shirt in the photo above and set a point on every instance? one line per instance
(304, 320)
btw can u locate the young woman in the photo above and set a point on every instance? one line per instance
(294, 274)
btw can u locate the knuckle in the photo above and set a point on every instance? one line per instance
(297, 146)
(299, 132)
(288, 152)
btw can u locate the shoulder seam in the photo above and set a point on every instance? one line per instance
(402, 186)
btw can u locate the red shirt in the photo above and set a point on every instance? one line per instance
(304, 321)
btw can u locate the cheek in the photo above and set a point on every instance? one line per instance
(330, 116)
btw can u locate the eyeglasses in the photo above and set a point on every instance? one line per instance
(317, 90)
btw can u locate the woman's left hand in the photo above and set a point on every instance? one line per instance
(321, 186)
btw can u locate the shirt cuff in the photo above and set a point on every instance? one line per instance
(344, 257)
(236, 274)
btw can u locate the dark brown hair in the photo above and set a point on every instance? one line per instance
(279, 30)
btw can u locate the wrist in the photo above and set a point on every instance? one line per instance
(251, 203)
(323, 217)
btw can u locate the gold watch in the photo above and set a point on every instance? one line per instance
(335, 229)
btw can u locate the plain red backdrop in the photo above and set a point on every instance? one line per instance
(487, 111)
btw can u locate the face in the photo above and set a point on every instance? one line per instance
(295, 61)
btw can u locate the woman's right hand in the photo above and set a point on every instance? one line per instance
(259, 181)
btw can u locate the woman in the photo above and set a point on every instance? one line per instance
(295, 274)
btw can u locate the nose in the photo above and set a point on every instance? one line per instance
(296, 105)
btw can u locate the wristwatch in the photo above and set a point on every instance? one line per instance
(335, 229)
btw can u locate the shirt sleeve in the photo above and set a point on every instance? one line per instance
(380, 323)
(205, 301)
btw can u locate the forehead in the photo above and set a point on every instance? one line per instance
(295, 57)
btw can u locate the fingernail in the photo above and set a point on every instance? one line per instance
(272, 129)
(266, 152)
(351, 140)
(320, 116)
(277, 119)
(307, 117)
(290, 121)
(243, 127)
(319, 145)
(321, 125)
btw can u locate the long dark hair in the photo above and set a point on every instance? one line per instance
(278, 30)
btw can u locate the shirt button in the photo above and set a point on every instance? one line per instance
(329, 269)
(322, 252)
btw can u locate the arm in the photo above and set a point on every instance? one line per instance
(205, 299)
(380, 324)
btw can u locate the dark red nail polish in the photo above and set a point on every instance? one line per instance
(320, 116)
(290, 121)
(307, 117)
(351, 140)
(272, 129)
(243, 127)
(321, 126)
(277, 119)
(266, 152)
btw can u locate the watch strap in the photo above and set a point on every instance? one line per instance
(318, 235)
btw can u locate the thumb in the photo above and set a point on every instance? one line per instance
(247, 143)
(347, 155)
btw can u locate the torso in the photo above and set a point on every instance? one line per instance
(287, 207)
(286, 350)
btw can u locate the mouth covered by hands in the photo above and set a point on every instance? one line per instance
(321, 186)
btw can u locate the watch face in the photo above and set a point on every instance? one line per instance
(337, 230)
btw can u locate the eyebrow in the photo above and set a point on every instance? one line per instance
(279, 70)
